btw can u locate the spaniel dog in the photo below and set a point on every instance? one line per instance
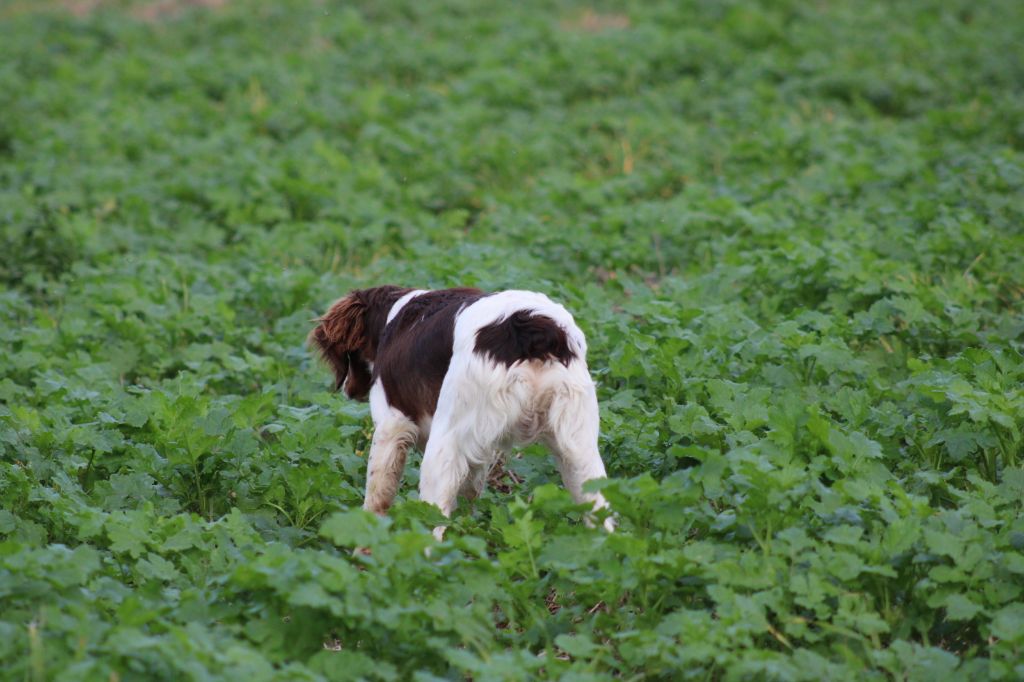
(464, 375)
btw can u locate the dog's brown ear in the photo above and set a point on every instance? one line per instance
(342, 330)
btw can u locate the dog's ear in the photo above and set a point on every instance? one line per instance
(341, 331)
(359, 380)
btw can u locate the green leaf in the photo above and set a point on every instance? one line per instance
(1008, 623)
(960, 607)
(577, 646)
(355, 528)
(128, 533)
(155, 567)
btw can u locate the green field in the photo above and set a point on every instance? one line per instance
(792, 231)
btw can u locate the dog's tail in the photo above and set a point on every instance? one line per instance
(524, 336)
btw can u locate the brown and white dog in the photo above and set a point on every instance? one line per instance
(465, 375)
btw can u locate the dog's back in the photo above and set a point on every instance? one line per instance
(493, 331)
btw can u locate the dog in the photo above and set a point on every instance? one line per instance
(464, 375)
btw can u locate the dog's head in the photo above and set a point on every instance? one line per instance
(347, 336)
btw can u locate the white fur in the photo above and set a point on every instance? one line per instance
(400, 303)
(484, 408)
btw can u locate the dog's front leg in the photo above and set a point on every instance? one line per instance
(391, 440)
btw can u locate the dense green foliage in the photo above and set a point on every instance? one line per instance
(793, 232)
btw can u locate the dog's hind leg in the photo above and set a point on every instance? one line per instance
(464, 437)
(572, 437)
(474, 483)
(479, 475)
(443, 472)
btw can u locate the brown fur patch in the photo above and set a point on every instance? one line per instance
(344, 323)
(417, 348)
(524, 336)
